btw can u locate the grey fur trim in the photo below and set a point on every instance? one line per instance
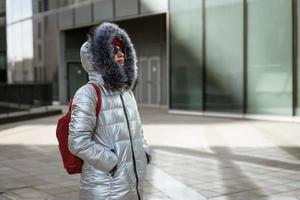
(115, 76)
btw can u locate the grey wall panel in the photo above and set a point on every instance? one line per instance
(83, 15)
(3, 38)
(152, 6)
(52, 5)
(72, 55)
(126, 7)
(51, 46)
(65, 18)
(163, 75)
(103, 10)
(62, 69)
(2, 21)
(150, 41)
(35, 6)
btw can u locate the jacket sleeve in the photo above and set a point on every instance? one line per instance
(146, 147)
(81, 128)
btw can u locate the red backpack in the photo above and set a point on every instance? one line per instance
(72, 163)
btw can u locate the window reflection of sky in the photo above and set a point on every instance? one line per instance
(18, 9)
(19, 37)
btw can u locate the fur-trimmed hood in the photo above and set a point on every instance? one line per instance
(100, 55)
(86, 57)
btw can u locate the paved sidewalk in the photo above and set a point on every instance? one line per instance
(194, 158)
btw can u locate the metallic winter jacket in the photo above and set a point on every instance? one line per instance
(111, 144)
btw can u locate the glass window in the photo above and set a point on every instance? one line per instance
(26, 8)
(270, 57)
(2, 38)
(46, 5)
(17, 10)
(224, 55)
(79, 1)
(35, 72)
(63, 3)
(186, 55)
(39, 29)
(8, 15)
(40, 6)
(20, 51)
(39, 52)
(27, 39)
(2, 8)
(27, 50)
(2, 60)
(14, 52)
(13, 11)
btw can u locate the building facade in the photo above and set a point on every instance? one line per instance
(235, 56)
(219, 57)
(2, 42)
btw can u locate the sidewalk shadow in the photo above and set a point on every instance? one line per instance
(233, 192)
(35, 172)
(268, 162)
(232, 174)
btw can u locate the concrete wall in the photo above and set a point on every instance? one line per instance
(148, 41)
(89, 13)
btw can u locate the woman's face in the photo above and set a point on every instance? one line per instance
(118, 55)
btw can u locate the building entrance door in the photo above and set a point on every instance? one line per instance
(148, 88)
(77, 77)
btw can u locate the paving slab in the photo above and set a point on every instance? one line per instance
(193, 158)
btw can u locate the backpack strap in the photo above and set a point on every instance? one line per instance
(99, 102)
(70, 105)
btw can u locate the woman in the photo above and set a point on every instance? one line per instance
(111, 145)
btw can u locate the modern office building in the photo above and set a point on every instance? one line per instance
(220, 57)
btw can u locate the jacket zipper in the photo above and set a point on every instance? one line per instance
(133, 156)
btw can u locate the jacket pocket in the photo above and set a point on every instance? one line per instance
(114, 169)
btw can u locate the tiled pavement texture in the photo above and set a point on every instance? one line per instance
(220, 159)
(36, 172)
(221, 177)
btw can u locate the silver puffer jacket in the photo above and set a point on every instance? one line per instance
(111, 144)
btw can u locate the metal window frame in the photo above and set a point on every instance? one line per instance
(169, 55)
(294, 56)
(245, 57)
(204, 77)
